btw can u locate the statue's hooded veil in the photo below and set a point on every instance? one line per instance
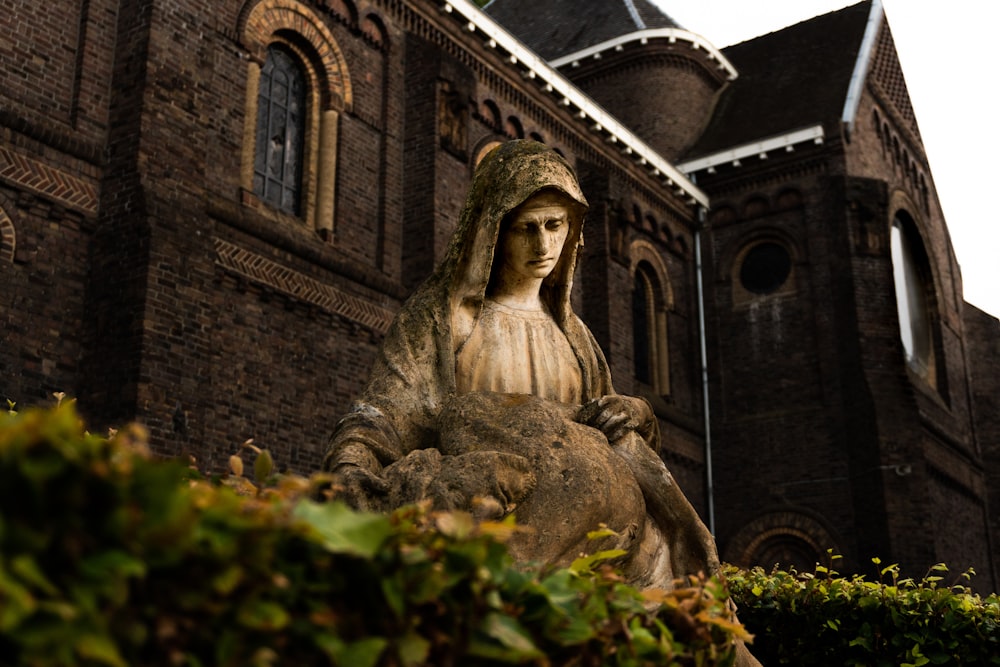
(507, 177)
(414, 371)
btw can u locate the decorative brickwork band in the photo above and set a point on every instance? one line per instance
(8, 237)
(261, 270)
(28, 173)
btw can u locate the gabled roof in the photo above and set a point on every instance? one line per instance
(554, 28)
(790, 79)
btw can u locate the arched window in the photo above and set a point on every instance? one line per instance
(914, 287)
(281, 123)
(298, 84)
(642, 318)
(650, 349)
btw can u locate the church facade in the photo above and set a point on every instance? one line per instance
(210, 213)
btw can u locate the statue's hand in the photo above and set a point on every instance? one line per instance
(358, 487)
(616, 416)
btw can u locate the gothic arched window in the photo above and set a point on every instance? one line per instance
(650, 350)
(642, 318)
(281, 123)
(911, 275)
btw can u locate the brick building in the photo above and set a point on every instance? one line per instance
(210, 212)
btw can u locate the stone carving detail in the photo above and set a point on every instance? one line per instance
(490, 395)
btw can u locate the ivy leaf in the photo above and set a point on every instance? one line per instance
(342, 530)
(516, 644)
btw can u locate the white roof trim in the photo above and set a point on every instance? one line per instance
(758, 149)
(585, 109)
(865, 53)
(644, 36)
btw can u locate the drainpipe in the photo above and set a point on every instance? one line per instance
(709, 482)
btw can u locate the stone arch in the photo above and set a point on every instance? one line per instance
(263, 21)
(374, 29)
(513, 128)
(722, 215)
(490, 113)
(902, 202)
(482, 150)
(649, 223)
(755, 206)
(261, 25)
(652, 299)
(919, 287)
(8, 237)
(345, 10)
(788, 199)
(644, 251)
(802, 539)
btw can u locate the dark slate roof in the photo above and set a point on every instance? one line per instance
(554, 28)
(790, 79)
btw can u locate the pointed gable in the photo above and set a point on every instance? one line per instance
(789, 79)
(555, 28)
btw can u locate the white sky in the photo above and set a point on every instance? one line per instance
(945, 49)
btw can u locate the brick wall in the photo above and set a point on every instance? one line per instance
(982, 333)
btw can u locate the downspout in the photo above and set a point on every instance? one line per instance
(709, 481)
(861, 64)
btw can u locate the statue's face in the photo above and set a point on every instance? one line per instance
(533, 240)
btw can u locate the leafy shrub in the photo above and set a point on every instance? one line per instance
(822, 618)
(108, 557)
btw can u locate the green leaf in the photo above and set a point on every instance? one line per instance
(28, 571)
(342, 530)
(263, 615)
(413, 650)
(587, 563)
(515, 641)
(263, 466)
(17, 602)
(99, 648)
(362, 653)
(603, 532)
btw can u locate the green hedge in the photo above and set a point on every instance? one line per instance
(108, 557)
(822, 618)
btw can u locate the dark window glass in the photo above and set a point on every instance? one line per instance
(641, 318)
(280, 132)
(765, 268)
(911, 297)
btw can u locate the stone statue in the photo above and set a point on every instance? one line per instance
(489, 394)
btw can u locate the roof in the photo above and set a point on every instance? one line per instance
(554, 28)
(793, 78)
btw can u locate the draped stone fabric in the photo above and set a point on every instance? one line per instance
(545, 365)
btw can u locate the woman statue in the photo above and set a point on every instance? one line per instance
(490, 394)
